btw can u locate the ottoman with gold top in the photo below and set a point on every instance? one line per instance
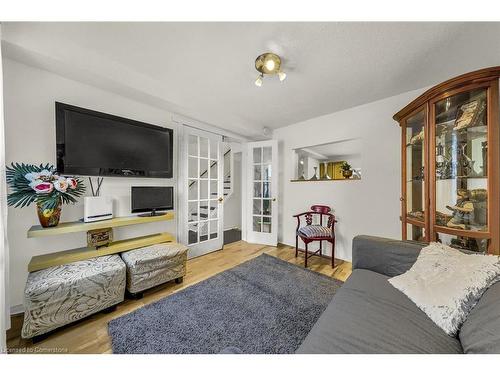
(153, 265)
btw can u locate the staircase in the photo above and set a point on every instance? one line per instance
(197, 219)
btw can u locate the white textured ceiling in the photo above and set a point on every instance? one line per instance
(206, 70)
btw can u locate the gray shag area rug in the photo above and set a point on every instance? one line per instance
(265, 305)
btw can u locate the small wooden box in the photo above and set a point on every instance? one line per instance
(99, 237)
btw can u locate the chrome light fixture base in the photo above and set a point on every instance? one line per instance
(268, 63)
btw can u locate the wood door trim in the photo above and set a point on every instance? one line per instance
(493, 167)
(429, 220)
(432, 172)
(461, 233)
(403, 181)
(404, 217)
(415, 222)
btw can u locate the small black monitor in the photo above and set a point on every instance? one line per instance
(152, 199)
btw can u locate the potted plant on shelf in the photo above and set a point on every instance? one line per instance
(346, 169)
(43, 186)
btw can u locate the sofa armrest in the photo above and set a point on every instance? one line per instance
(383, 255)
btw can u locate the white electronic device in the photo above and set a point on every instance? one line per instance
(97, 208)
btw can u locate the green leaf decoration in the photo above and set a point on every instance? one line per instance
(22, 194)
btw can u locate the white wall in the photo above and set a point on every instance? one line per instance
(367, 206)
(29, 96)
(232, 205)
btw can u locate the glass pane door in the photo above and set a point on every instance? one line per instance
(204, 191)
(262, 163)
(461, 142)
(415, 233)
(415, 169)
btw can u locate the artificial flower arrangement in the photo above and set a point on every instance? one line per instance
(346, 169)
(42, 185)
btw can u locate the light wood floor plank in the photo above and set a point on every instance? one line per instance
(91, 336)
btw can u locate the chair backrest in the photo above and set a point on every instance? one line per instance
(320, 209)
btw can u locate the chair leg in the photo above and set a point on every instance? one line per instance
(296, 246)
(320, 248)
(333, 253)
(305, 259)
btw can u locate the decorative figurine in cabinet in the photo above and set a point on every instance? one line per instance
(450, 161)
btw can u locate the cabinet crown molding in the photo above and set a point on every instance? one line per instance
(482, 75)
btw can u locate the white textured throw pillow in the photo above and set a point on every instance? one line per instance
(446, 283)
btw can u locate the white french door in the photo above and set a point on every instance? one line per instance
(202, 197)
(262, 191)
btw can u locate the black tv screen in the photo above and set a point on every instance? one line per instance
(91, 143)
(149, 198)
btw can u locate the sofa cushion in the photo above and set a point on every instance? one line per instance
(480, 332)
(384, 255)
(368, 315)
(446, 284)
(315, 231)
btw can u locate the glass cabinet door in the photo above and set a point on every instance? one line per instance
(461, 160)
(415, 233)
(415, 174)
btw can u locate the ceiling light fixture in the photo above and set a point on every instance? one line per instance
(268, 63)
(258, 81)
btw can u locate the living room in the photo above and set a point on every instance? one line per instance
(259, 186)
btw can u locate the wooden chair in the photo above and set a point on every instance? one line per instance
(313, 232)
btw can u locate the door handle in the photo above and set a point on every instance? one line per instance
(274, 199)
(220, 199)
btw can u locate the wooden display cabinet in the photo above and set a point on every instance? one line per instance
(450, 158)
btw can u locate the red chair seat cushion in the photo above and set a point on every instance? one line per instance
(311, 231)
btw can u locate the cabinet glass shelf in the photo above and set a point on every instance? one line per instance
(461, 184)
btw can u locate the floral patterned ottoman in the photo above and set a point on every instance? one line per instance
(154, 265)
(59, 295)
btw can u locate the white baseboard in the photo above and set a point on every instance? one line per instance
(230, 228)
(18, 309)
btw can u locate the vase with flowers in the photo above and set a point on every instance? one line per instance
(40, 184)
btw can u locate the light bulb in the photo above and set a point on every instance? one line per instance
(270, 65)
(258, 81)
(281, 75)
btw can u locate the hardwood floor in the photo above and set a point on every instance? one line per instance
(90, 335)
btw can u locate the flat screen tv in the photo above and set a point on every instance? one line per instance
(91, 143)
(152, 199)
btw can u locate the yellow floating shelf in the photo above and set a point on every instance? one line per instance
(78, 226)
(41, 262)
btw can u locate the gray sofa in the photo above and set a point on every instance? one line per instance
(368, 315)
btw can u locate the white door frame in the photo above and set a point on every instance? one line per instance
(210, 244)
(261, 236)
